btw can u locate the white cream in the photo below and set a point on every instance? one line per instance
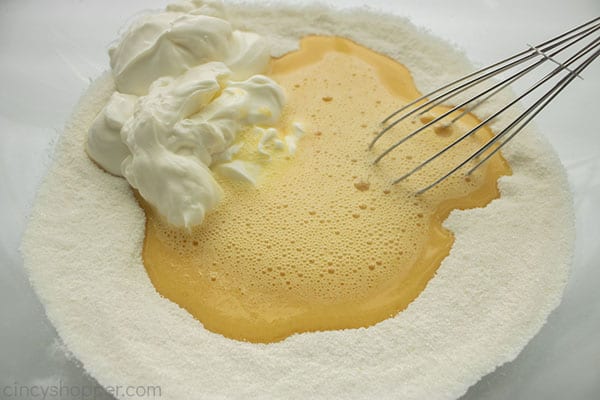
(187, 85)
(180, 125)
(239, 170)
(104, 143)
(268, 137)
(292, 139)
(169, 43)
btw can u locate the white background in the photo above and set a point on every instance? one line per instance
(50, 50)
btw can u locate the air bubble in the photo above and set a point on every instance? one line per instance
(350, 249)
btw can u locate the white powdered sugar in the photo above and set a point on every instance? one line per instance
(504, 275)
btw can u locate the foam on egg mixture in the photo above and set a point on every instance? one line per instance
(323, 241)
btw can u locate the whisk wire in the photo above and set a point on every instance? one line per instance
(558, 39)
(531, 112)
(509, 81)
(550, 75)
(427, 106)
(541, 104)
(547, 50)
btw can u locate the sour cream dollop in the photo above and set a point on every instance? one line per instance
(186, 85)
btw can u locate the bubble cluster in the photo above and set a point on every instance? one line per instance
(324, 241)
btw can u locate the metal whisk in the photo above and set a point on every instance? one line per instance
(584, 44)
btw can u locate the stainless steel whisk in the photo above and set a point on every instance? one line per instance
(584, 42)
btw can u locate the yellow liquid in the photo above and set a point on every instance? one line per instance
(324, 242)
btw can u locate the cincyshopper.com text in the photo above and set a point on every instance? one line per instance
(72, 392)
